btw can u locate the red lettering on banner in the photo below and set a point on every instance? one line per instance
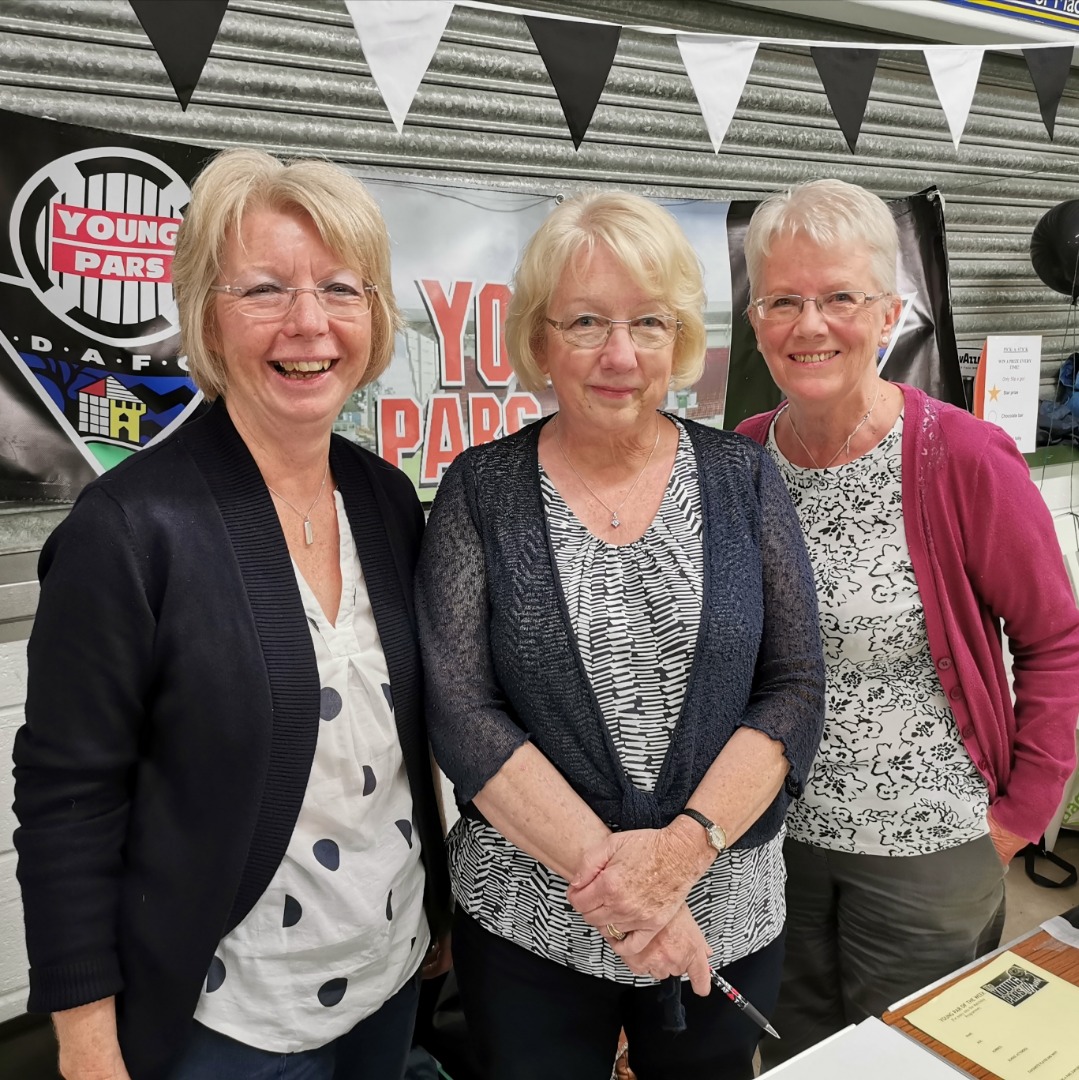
(484, 418)
(398, 429)
(520, 409)
(491, 362)
(448, 317)
(110, 245)
(444, 437)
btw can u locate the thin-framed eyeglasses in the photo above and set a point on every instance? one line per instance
(844, 304)
(268, 300)
(588, 331)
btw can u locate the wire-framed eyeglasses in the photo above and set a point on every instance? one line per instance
(589, 331)
(268, 300)
(844, 304)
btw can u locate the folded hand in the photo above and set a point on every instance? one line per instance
(678, 949)
(636, 881)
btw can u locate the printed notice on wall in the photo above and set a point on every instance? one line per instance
(1011, 1017)
(1010, 387)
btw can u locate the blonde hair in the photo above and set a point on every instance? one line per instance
(650, 245)
(832, 214)
(236, 181)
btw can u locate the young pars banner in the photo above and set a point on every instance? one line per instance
(89, 364)
(91, 368)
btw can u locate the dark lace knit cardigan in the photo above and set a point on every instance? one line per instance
(502, 664)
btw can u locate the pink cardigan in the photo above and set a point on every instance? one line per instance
(984, 550)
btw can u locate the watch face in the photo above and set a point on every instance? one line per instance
(715, 838)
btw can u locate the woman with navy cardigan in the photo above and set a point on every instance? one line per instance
(230, 850)
(624, 678)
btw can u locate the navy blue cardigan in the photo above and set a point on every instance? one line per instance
(171, 719)
(502, 664)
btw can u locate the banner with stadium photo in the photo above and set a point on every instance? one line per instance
(90, 368)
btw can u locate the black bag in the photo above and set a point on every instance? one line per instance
(1038, 851)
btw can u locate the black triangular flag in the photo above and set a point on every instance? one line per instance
(847, 75)
(1049, 70)
(183, 35)
(578, 57)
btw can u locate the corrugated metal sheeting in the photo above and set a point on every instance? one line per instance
(289, 75)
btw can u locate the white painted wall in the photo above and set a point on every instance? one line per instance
(13, 981)
(1059, 485)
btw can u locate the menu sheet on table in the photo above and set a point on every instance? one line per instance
(1011, 1017)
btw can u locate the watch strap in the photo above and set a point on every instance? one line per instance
(714, 831)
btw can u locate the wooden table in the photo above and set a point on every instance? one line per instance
(1039, 948)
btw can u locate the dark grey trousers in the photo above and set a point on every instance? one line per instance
(864, 931)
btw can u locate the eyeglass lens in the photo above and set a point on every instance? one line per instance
(834, 305)
(269, 300)
(648, 331)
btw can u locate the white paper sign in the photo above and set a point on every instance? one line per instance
(1012, 371)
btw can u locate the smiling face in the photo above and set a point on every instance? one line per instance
(612, 388)
(814, 360)
(296, 372)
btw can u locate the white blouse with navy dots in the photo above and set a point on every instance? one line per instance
(341, 927)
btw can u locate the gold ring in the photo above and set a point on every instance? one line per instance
(617, 934)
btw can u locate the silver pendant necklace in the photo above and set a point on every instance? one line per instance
(612, 510)
(308, 531)
(845, 447)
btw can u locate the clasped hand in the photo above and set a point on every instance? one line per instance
(637, 882)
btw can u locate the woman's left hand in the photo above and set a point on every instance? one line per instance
(678, 949)
(439, 958)
(635, 881)
(1007, 843)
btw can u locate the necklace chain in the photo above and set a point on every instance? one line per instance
(308, 531)
(844, 449)
(612, 510)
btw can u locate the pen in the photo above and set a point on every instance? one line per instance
(746, 1006)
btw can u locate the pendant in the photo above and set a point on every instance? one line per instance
(308, 532)
(614, 521)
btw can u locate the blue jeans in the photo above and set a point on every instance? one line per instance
(375, 1049)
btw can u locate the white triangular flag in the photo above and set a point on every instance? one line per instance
(718, 71)
(955, 70)
(398, 38)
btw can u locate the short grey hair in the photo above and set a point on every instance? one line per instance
(832, 214)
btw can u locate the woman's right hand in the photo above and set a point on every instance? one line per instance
(638, 879)
(678, 949)
(89, 1048)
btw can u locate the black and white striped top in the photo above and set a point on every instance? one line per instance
(635, 611)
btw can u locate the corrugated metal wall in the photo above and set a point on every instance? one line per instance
(290, 75)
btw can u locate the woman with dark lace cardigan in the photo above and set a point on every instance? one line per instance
(625, 686)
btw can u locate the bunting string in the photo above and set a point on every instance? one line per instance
(399, 39)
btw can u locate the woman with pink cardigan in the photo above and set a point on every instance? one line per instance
(926, 537)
